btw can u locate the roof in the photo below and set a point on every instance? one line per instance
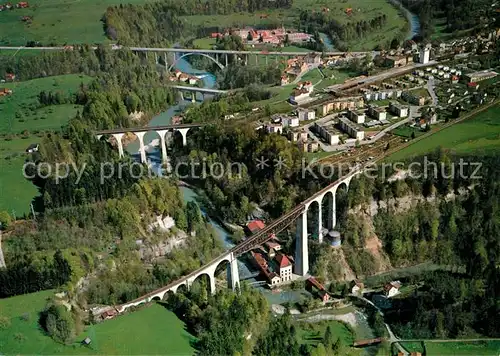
(255, 225)
(393, 284)
(283, 261)
(272, 244)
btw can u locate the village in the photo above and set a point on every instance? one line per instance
(368, 111)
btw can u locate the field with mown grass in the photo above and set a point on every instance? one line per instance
(479, 135)
(16, 192)
(22, 111)
(152, 330)
(57, 22)
(313, 333)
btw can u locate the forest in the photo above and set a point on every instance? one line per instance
(457, 15)
(160, 23)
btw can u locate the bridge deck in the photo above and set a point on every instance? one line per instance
(147, 128)
(197, 89)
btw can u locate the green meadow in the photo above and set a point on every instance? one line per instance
(22, 122)
(152, 330)
(479, 135)
(57, 22)
(21, 110)
(16, 192)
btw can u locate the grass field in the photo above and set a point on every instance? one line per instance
(16, 192)
(20, 111)
(479, 135)
(480, 348)
(312, 333)
(153, 331)
(57, 21)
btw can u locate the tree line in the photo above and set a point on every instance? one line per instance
(161, 23)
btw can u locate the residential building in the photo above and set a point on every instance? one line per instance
(10, 77)
(397, 61)
(275, 128)
(262, 264)
(284, 267)
(352, 129)
(272, 244)
(313, 59)
(357, 116)
(425, 55)
(308, 146)
(297, 136)
(306, 114)
(357, 288)
(398, 109)
(391, 289)
(33, 148)
(480, 76)
(314, 284)
(255, 226)
(377, 113)
(284, 80)
(290, 121)
(328, 132)
(299, 95)
(414, 99)
(341, 104)
(5, 91)
(193, 80)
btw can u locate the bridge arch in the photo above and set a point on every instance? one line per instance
(191, 54)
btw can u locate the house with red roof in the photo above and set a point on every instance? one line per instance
(255, 226)
(10, 77)
(22, 5)
(5, 91)
(284, 267)
(314, 284)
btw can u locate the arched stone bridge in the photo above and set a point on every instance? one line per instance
(140, 132)
(299, 214)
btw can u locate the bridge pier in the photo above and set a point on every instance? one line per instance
(181, 96)
(193, 97)
(227, 60)
(320, 222)
(156, 58)
(118, 138)
(163, 144)
(331, 221)
(267, 59)
(166, 62)
(301, 246)
(183, 132)
(233, 273)
(142, 149)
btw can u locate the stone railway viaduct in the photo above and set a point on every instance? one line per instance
(297, 214)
